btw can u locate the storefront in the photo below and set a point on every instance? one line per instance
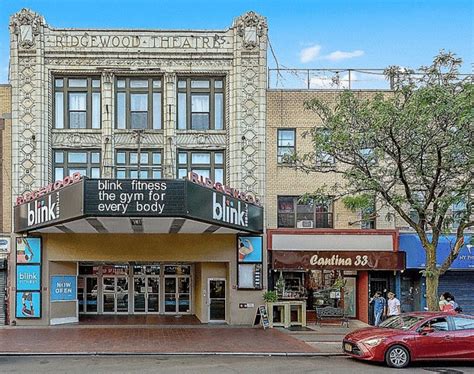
(330, 268)
(126, 247)
(458, 280)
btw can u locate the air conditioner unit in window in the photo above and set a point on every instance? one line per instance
(305, 224)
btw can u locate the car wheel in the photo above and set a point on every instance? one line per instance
(397, 357)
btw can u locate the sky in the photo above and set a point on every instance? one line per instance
(304, 34)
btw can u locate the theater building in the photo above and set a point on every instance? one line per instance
(138, 172)
(321, 253)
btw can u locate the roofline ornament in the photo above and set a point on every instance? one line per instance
(26, 24)
(251, 27)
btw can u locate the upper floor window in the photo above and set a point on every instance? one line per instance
(207, 164)
(200, 103)
(368, 215)
(458, 210)
(77, 103)
(146, 165)
(324, 158)
(68, 162)
(286, 145)
(308, 214)
(138, 103)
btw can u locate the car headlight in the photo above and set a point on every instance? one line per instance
(373, 342)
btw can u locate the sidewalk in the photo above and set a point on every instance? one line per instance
(174, 340)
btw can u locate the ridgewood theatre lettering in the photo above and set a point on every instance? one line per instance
(88, 40)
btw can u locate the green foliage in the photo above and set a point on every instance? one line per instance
(270, 296)
(411, 149)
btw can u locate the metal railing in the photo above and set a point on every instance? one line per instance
(328, 79)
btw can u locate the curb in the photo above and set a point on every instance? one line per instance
(254, 354)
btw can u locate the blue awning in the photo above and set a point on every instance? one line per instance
(416, 257)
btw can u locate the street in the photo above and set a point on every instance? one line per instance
(210, 364)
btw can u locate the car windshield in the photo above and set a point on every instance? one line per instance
(403, 322)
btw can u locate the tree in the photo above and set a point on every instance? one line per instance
(410, 149)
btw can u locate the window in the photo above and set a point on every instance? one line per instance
(437, 324)
(200, 104)
(295, 213)
(207, 164)
(68, 162)
(77, 103)
(418, 198)
(457, 210)
(368, 217)
(463, 323)
(285, 144)
(324, 158)
(147, 165)
(138, 103)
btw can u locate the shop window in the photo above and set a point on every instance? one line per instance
(68, 162)
(207, 164)
(200, 103)
(286, 145)
(138, 103)
(295, 213)
(131, 164)
(77, 103)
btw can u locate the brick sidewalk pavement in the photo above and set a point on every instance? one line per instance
(146, 340)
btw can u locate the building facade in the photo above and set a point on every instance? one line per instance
(101, 110)
(317, 248)
(5, 188)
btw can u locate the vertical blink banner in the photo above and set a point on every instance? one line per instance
(28, 278)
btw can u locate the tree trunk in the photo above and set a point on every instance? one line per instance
(432, 279)
(432, 300)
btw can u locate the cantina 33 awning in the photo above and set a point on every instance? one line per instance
(82, 205)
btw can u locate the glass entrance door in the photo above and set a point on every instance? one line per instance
(153, 294)
(177, 294)
(170, 295)
(217, 300)
(87, 294)
(115, 294)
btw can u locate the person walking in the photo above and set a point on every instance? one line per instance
(379, 307)
(393, 305)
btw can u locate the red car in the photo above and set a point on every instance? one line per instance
(414, 336)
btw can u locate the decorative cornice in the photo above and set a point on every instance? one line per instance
(26, 24)
(251, 27)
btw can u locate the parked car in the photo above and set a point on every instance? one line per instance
(414, 337)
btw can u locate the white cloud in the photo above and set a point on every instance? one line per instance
(341, 55)
(310, 53)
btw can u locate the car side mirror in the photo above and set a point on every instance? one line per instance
(426, 330)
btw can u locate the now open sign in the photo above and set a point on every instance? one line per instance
(63, 288)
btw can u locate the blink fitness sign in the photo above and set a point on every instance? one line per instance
(197, 198)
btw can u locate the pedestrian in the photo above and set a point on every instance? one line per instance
(446, 302)
(379, 307)
(393, 305)
(451, 305)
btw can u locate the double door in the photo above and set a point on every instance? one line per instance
(115, 294)
(177, 294)
(146, 294)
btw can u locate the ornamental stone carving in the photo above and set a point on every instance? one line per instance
(26, 24)
(142, 63)
(251, 27)
(76, 139)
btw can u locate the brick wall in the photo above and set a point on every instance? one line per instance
(5, 158)
(285, 110)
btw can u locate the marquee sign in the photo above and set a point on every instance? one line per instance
(217, 205)
(338, 260)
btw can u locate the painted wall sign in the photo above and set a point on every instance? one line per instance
(28, 304)
(63, 288)
(339, 260)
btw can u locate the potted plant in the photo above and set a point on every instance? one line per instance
(270, 296)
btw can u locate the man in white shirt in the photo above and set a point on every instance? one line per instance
(393, 305)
